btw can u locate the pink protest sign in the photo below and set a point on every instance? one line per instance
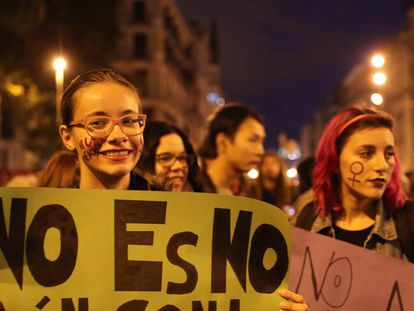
(334, 275)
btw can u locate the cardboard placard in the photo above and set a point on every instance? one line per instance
(71, 249)
(334, 275)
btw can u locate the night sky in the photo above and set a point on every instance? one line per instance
(285, 58)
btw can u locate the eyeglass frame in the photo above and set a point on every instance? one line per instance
(190, 159)
(114, 122)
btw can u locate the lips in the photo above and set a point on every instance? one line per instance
(176, 179)
(378, 182)
(116, 155)
(172, 178)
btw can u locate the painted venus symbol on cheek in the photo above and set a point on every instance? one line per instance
(356, 168)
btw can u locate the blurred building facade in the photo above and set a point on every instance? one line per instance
(172, 62)
(398, 92)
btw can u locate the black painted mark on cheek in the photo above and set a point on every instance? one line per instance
(355, 169)
(88, 144)
(93, 147)
(81, 145)
(86, 155)
(96, 145)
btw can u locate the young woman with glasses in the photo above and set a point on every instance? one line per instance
(102, 122)
(169, 158)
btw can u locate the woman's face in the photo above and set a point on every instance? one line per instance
(112, 157)
(270, 167)
(171, 161)
(366, 163)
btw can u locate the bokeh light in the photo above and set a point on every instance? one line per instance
(292, 172)
(377, 61)
(253, 173)
(379, 78)
(377, 99)
(59, 64)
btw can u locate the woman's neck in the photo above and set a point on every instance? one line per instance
(357, 213)
(269, 183)
(93, 182)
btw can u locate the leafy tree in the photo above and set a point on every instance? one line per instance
(32, 32)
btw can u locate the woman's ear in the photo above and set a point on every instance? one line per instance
(66, 137)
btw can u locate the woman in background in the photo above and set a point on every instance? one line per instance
(305, 184)
(169, 158)
(272, 185)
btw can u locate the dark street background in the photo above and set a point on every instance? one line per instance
(286, 57)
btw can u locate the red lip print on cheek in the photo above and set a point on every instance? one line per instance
(356, 168)
(90, 147)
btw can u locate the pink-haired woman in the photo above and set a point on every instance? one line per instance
(358, 195)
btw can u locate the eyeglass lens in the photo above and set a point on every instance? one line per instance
(168, 159)
(102, 126)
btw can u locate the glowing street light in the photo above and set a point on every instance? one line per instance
(379, 78)
(253, 173)
(292, 172)
(377, 99)
(377, 60)
(59, 64)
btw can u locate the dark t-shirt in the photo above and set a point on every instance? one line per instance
(137, 182)
(268, 197)
(356, 237)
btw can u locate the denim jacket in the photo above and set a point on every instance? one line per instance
(383, 238)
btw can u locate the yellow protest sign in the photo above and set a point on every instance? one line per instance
(70, 249)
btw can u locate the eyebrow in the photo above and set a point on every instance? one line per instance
(372, 146)
(129, 111)
(102, 113)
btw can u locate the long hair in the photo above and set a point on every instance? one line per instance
(281, 193)
(61, 171)
(154, 130)
(305, 174)
(325, 176)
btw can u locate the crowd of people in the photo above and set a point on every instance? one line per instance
(351, 190)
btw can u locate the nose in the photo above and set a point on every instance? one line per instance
(117, 135)
(381, 164)
(177, 165)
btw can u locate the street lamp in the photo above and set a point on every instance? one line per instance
(59, 64)
(376, 99)
(378, 78)
(377, 60)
